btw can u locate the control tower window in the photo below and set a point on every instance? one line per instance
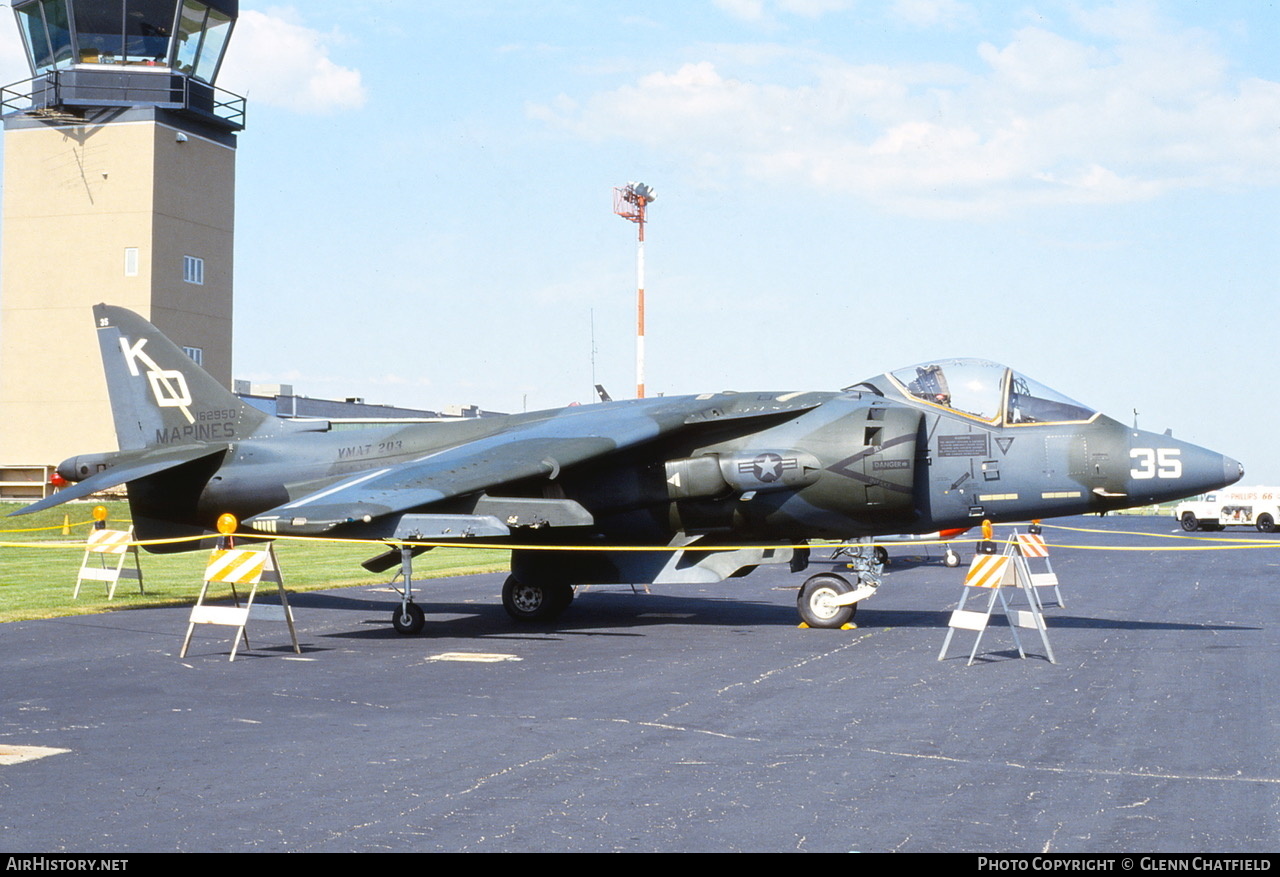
(47, 33)
(100, 31)
(202, 35)
(123, 32)
(147, 27)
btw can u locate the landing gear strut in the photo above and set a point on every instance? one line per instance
(830, 600)
(408, 617)
(819, 601)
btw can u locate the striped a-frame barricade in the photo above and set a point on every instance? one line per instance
(247, 568)
(1032, 547)
(995, 573)
(110, 548)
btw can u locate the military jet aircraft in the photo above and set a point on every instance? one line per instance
(931, 447)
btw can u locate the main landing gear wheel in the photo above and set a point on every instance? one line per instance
(816, 601)
(408, 620)
(535, 602)
(882, 555)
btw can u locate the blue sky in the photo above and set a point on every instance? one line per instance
(1085, 191)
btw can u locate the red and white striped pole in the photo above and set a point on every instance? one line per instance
(630, 202)
(640, 303)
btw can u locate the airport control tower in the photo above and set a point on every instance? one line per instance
(119, 181)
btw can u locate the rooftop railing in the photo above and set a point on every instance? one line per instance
(85, 87)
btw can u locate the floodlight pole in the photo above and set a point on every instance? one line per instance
(630, 202)
(640, 303)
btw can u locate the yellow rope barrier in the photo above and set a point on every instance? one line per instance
(1235, 539)
(53, 527)
(1231, 544)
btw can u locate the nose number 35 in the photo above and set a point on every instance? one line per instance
(1156, 463)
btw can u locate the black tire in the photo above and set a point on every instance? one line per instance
(814, 601)
(409, 620)
(535, 602)
(951, 559)
(1266, 524)
(1189, 522)
(882, 555)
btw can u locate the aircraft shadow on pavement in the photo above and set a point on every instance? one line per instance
(598, 612)
(619, 612)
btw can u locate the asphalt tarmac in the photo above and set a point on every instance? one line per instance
(695, 718)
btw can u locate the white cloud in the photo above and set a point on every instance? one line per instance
(1043, 119)
(275, 59)
(812, 8)
(761, 10)
(747, 10)
(932, 13)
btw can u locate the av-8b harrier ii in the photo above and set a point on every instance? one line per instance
(931, 447)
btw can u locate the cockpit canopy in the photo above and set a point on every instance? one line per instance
(985, 391)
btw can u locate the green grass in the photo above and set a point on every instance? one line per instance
(39, 565)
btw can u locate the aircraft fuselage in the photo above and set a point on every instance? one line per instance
(856, 464)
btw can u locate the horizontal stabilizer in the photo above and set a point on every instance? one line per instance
(127, 466)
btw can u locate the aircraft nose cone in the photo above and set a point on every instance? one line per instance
(1165, 469)
(1206, 470)
(1232, 470)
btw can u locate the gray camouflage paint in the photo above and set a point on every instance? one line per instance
(750, 469)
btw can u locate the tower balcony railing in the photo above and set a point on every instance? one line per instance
(78, 88)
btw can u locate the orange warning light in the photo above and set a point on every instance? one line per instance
(986, 530)
(227, 524)
(99, 513)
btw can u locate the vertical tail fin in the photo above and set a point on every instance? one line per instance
(159, 396)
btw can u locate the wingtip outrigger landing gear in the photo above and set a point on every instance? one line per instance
(829, 600)
(408, 618)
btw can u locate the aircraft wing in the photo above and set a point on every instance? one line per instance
(538, 448)
(127, 466)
